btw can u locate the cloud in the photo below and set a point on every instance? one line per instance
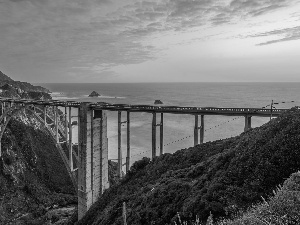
(257, 7)
(73, 33)
(289, 34)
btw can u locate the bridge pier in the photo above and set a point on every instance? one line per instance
(70, 139)
(161, 134)
(119, 167)
(120, 161)
(128, 142)
(93, 157)
(66, 125)
(202, 130)
(56, 115)
(196, 130)
(153, 135)
(247, 123)
(154, 125)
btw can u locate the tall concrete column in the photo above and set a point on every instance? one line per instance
(128, 142)
(161, 134)
(93, 157)
(66, 125)
(70, 139)
(119, 167)
(154, 135)
(247, 123)
(202, 130)
(196, 131)
(56, 115)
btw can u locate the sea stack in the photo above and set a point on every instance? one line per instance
(156, 102)
(94, 94)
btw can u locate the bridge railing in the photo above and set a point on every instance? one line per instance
(127, 107)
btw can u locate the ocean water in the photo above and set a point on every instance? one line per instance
(177, 127)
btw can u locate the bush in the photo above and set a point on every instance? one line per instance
(283, 208)
(139, 165)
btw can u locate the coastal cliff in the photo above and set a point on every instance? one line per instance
(222, 177)
(18, 89)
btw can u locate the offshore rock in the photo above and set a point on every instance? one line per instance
(157, 102)
(94, 94)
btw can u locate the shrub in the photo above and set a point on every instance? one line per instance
(283, 208)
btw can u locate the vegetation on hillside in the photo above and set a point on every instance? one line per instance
(220, 177)
(283, 207)
(33, 178)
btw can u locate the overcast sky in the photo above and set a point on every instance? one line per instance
(150, 40)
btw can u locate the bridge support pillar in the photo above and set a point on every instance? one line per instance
(154, 135)
(128, 142)
(202, 130)
(119, 167)
(161, 134)
(247, 123)
(56, 115)
(70, 139)
(196, 131)
(93, 157)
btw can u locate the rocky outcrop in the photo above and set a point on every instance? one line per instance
(157, 102)
(94, 94)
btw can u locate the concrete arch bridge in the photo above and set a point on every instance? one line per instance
(88, 165)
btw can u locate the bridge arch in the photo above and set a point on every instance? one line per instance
(91, 176)
(12, 111)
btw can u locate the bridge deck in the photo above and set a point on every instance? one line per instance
(262, 112)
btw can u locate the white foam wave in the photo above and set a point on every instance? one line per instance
(104, 96)
(56, 93)
(64, 98)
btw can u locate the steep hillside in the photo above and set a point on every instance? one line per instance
(33, 178)
(219, 177)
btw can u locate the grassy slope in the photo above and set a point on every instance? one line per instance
(220, 177)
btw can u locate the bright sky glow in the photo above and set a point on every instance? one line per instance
(150, 40)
